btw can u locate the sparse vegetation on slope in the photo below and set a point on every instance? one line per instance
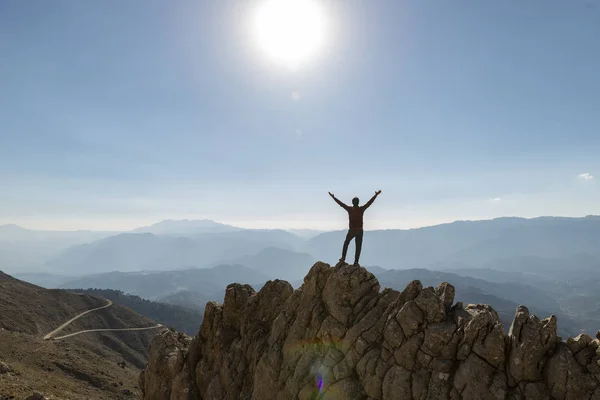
(178, 317)
(102, 366)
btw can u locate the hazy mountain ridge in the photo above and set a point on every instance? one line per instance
(469, 242)
(190, 299)
(555, 255)
(306, 233)
(277, 263)
(16, 233)
(156, 284)
(28, 250)
(186, 227)
(146, 251)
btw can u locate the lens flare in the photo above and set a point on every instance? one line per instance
(319, 382)
(321, 353)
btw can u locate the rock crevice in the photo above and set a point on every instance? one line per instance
(339, 337)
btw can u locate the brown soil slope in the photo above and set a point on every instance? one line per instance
(92, 365)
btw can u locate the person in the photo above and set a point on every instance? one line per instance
(355, 231)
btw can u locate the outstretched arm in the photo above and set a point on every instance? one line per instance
(368, 204)
(345, 207)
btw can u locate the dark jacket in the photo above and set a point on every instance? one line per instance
(355, 214)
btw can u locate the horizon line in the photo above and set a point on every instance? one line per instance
(246, 227)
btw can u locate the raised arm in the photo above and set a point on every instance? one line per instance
(345, 207)
(368, 204)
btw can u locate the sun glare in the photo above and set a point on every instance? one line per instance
(290, 32)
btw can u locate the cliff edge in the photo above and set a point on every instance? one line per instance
(339, 337)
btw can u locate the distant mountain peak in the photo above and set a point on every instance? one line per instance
(14, 227)
(186, 226)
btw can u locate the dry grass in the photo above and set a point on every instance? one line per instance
(88, 366)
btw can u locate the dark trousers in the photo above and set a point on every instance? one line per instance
(353, 234)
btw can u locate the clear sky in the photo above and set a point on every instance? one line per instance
(115, 114)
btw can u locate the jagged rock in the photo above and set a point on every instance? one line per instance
(578, 343)
(564, 377)
(531, 344)
(410, 317)
(164, 377)
(431, 305)
(411, 292)
(339, 337)
(445, 292)
(347, 288)
(236, 296)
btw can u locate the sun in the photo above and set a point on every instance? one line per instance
(290, 32)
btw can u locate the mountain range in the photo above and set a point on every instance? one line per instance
(186, 227)
(185, 244)
(152, 285)
(549, 263)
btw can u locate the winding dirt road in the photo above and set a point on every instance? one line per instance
(107, 330)
(52, 335)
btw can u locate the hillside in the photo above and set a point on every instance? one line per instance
(340, 337)
(93, 365)
(180, 318)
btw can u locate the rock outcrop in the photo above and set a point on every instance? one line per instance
(340, 337)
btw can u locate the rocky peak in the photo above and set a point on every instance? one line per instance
(339, 337)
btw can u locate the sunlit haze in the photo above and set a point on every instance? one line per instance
(115, 115)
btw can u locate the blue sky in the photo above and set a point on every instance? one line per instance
(117, 114)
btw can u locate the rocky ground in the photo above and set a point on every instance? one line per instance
(340, 337)
(71, 369)
(88, 366)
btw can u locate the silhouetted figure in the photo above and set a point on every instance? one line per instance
(355, 231)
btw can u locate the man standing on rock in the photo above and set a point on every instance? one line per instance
(355, 215)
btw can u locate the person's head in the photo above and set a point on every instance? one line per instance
(355, 202)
